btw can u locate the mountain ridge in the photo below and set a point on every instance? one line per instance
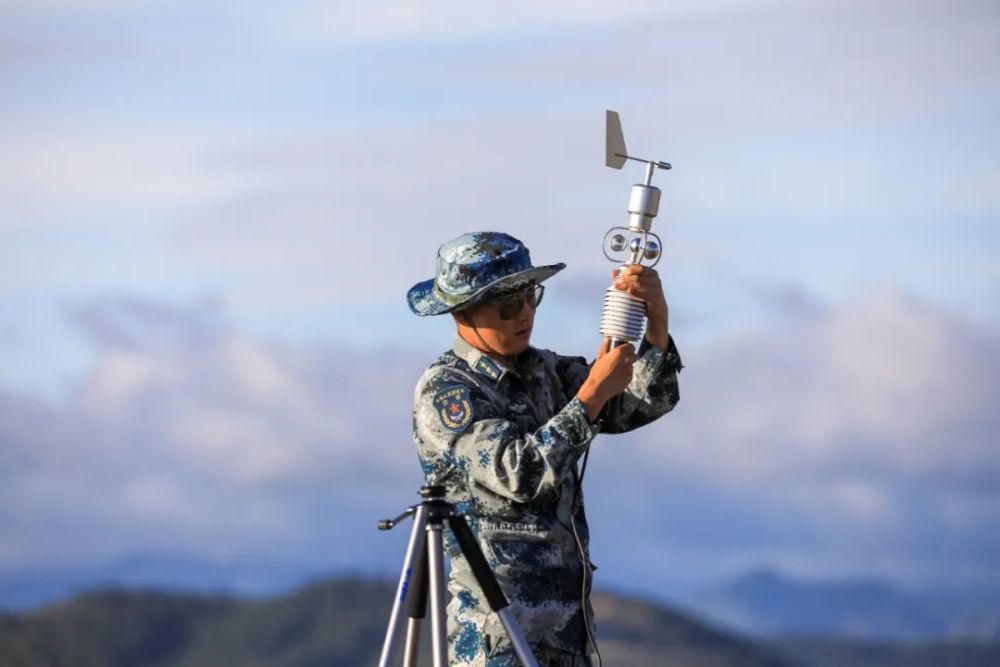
(341, 622)
(765, 603)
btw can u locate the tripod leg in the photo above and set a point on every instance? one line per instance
(435, 558)
(416, 608)
(412, 648)
(417, 543)
(490, 587)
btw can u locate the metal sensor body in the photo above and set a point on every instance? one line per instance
(643, 205)
(624, 317)
(644, 201)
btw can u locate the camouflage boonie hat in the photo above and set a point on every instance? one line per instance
(475, 268)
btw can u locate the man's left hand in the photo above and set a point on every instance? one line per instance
(644, 283)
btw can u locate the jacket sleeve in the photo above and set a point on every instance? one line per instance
(493, 452)
(652, 392)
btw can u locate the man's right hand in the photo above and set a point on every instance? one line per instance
(609, 376)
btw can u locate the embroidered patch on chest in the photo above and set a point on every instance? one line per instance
(488, 367)
(454, 408)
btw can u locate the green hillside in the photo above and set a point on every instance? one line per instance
(635, 632)
(329, 624)
(341, 623)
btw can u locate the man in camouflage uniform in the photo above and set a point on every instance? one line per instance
(502, 426)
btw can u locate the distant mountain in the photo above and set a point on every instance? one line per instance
(334, 623)
(764, 603)
(841, 653)
(340, 623)
(26, 589)
(638, 632)
(331, 624)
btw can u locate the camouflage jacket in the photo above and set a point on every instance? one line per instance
(505, 443)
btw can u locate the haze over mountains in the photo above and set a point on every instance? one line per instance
(762, 603)
(765, 603)
(341, 622)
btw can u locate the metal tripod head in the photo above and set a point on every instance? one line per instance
(431, 492)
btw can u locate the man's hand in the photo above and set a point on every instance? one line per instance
(643, 283)
(609, 376)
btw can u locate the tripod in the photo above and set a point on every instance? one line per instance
(424, 564)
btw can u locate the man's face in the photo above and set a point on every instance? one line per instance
(506, 323)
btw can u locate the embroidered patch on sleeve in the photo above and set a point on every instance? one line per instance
(454, 408)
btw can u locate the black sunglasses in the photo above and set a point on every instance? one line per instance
(509, 307)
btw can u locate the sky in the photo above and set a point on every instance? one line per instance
(210, 214)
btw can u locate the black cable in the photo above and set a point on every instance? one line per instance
(584, 561)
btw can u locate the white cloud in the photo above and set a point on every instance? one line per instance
(846, 442)
(225, 407)
(29, 7)
(856, 440)
(777, 116)
(187, 435)
(107, 169)
(885, 384)
(863, 501)
(391, 20)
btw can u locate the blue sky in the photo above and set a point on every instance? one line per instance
(209, 216)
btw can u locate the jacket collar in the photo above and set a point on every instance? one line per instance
(479, 362)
